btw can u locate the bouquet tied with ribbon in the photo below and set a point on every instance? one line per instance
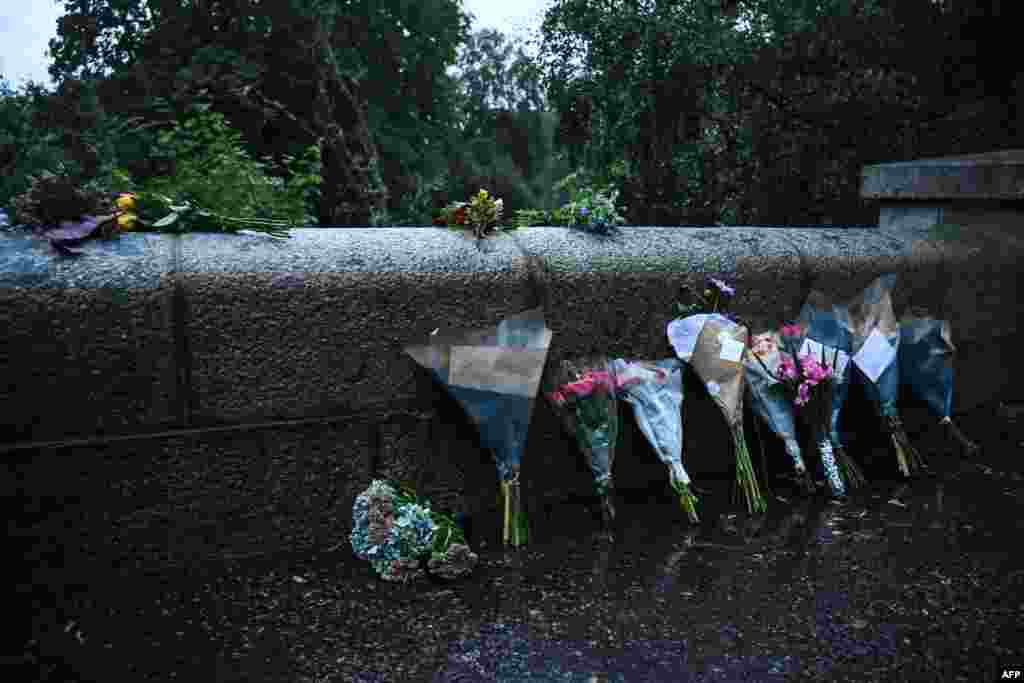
(583, 395)
(876, 341)
(655, 390)
(402, 537)
(494, 374)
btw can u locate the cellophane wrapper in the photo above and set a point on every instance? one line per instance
(654, 389)
(769, 400)
(582, 393)
(494, 374)
(876, 338)
(826, 333)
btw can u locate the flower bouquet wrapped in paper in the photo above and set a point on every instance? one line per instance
(769, 400)
(583, 394)
(494, 374)
(655, 390)
(925, 360)
(876, 340)
(823, 332)
(400, 535)
(809, 381)
(717, 358)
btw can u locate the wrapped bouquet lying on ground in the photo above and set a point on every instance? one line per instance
(403, 538)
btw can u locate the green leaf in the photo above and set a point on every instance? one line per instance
(166, 220)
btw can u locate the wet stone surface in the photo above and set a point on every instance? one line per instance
(903, 581)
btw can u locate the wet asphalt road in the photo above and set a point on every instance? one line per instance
(919, 581)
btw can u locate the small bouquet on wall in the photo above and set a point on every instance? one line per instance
(876, 340)
(583, 395)
(826, 333)
(403, 538)
(925, 360)
(717, 358)
(769, 400)
(655, 390)
(481, 213)
(494, 374)
(809, 380)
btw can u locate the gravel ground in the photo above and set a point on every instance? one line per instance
(901, 582)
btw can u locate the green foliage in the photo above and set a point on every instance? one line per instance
(24, 149)
(213, 170)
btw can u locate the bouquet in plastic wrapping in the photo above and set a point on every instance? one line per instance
(583, 395)
(655, 391)
(925, 360)
(494, 374)
(769, 400)
(876, 340)
(402, 537)
(809, 379)
(717, 357)
(823, 331)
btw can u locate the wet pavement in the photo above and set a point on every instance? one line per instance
(901, 582)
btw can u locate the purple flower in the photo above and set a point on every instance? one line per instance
(723, 287)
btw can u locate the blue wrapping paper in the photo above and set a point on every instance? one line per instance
(926, 362)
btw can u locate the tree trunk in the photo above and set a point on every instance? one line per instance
(351, 186)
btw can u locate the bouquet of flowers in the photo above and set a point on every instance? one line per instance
(925, 360)
(494, 374)
(583, 394)
(809, 382)
(769, 400)
(655, 390)
(481, 213)
(876, 339)
(399, 535)
(717, 357)
(823, 331)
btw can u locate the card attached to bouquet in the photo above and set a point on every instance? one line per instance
(816, 350)
(732, 350)
(498, 369)
(875, 355)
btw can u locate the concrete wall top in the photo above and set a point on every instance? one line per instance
(989, 176)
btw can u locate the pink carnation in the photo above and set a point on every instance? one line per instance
(582, 388)
(791, 330)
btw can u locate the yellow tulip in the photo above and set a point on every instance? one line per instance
(126, 202)
(126, 221)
